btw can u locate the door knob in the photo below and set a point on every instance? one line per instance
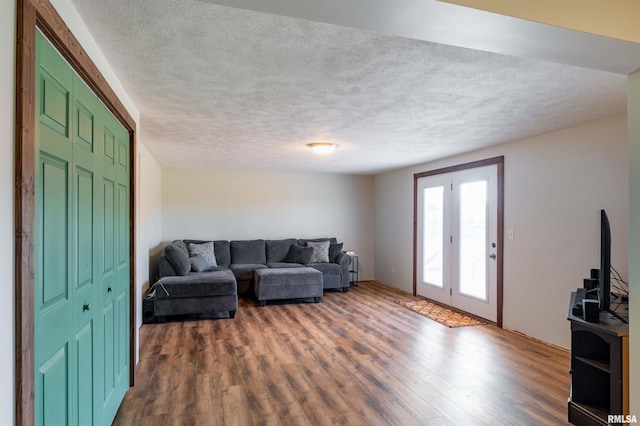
(493, 256)
(85, 307)
(109, 289)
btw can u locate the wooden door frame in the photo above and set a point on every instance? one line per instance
(499, 162)
(32, 15)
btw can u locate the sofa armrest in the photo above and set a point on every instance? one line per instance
(177, 280)
(165, 268)
(163, 288)
(198, 278)
(344, 260)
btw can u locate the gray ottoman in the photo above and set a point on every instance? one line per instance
(287, 283)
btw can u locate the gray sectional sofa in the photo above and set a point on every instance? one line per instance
(208, 277)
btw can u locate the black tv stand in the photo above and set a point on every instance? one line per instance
(599, 369)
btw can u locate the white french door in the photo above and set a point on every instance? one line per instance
(457, 239)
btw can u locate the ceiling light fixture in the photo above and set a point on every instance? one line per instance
(322, 147)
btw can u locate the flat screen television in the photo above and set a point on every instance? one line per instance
(604, 285)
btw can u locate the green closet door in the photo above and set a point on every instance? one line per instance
(54, 240)
(115, 268)
(77, 224)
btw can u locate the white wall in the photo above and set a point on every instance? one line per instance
(148, 223)
(634, 239)
(555, 186)
(234, 205)
(7, 235)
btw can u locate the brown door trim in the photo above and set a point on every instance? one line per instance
(32, 15)
(499, 161)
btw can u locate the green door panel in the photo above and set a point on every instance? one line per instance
(123, 337)
(123, 156)
(109, 228)
(53, 212)
(84, 355)
(81, 250)
(84, 127)
(52, 378)
(109, 148)
(54, 103)
(84, 228)
(108, 334)
(52, 294)
(54, 83)
(123, 232)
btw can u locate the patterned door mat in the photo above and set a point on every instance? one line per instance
(444, 315)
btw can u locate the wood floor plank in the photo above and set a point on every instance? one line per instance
(235, 407)
(356, 358)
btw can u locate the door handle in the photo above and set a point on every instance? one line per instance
(109, 290)
(493, 256)
(85, 307)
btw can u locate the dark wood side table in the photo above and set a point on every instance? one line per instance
(599, 369)
(354, 268)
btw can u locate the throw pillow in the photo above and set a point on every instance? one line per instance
(206, 250)
(334, 252)
(199, 263)
(178, 259)
(299, 254)
(320, 251)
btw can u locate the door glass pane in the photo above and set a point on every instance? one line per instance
(433, 236)
(473, 237)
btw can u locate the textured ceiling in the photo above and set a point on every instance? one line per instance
(219, 87)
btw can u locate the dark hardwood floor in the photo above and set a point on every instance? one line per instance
(357, 358)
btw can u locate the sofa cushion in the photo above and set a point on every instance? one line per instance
(244, 271)
(199, 263)
(277, 249)
(320, 251)
(299, 254)
(248, 251)
(198, 285)
(178, 258)
(205, 250)
(334, 251)
(326, 268)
